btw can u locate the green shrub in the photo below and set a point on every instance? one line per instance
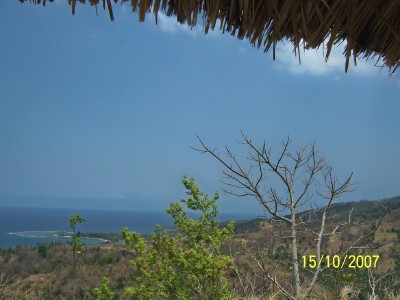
(188, 265)
(106, 259)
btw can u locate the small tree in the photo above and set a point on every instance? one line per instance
(303, 175)
(188, 265)
(42, 250)
(76, 243)
(104, 292)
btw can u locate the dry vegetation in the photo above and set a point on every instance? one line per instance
(47, 274)
(258, 239)
(45, 271)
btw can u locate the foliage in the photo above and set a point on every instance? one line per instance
(106, 259)
(76, 241)
(42, 250)
(104, 292)
(50, 277)
(188, 265)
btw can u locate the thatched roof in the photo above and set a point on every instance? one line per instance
(370, 28)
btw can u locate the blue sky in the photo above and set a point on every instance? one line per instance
(104, 111)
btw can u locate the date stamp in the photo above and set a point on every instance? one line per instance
(341, 262)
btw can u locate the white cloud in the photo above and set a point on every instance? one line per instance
(313, 62)
(172, 26)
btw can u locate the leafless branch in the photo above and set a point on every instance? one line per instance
(260, 262)
(303, 174)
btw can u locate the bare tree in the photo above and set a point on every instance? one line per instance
(301, 176)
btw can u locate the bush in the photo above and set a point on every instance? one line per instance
(104, 292)
(106, 259)
(42, 250)
(188, 265)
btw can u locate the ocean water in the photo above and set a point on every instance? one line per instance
(29, 226)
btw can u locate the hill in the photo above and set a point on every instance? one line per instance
(44, 271)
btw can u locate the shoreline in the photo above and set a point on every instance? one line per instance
(53, 234)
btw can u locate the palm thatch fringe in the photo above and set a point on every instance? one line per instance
(371, 29)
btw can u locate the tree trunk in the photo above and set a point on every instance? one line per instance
(296, 271)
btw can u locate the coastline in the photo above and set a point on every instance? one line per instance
(57, 235)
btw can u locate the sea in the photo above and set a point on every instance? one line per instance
(23, 226)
